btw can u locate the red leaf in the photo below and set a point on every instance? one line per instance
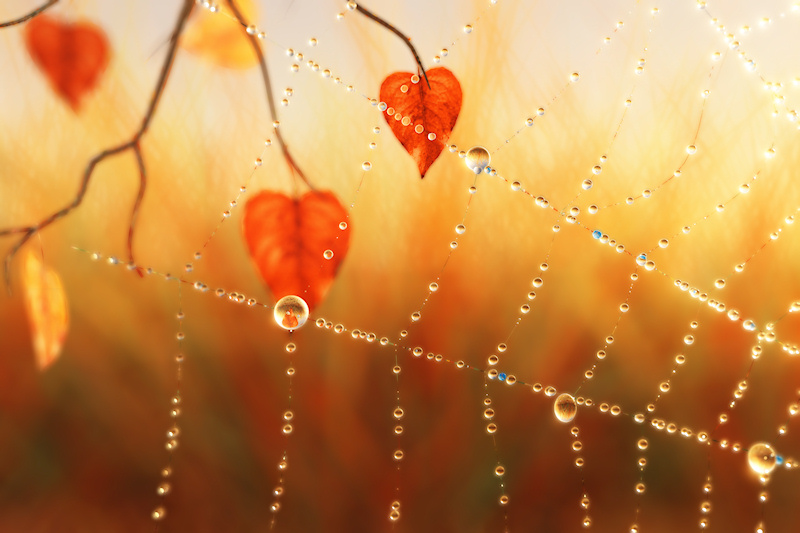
(287, 238)
(435, 109)
(72, 56)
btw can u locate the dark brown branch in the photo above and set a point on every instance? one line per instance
(29, 16)
(397, 32)
(268, 88)
(137, 151)
(133, 144)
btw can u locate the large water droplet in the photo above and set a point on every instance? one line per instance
(478, 159)
(291, 312)
(762, 458)
(565, 408)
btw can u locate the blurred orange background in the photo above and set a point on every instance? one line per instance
(82, 443)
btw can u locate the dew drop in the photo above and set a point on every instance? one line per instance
(565, 408)
(762, 458)
(291, 312)
(477, 159)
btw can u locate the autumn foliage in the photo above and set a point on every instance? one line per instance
(431, 112)
(291, 239)
(71, 55)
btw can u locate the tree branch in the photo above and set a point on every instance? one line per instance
(268, 88)
(137, 151)
(397, 32)
(133, 144)
(29, 16)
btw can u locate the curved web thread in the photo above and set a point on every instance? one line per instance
(648, 267)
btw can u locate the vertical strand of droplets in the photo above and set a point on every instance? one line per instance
(492, 373)
(397, 456)
(165, 487)
(286, 431)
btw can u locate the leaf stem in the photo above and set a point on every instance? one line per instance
(369, 14)
(133, 144)
(268, 88)
(29, 16)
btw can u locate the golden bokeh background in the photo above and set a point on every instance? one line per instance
(82, 443)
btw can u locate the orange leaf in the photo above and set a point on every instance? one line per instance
(435, 109)
(287, 238)
(72, 56)
(46, 306)
(218, 38)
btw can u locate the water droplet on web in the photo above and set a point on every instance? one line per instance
(366, 165)
(477, 159)
(327, 254)
(762, 458)
(565, 408)
(460, 229)
(291, 312)
(468, 28)
(574, 77)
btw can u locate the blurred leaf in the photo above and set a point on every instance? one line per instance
(287, 238)
(72, 56)
(220, 39)
(46, 306)
(435, 109)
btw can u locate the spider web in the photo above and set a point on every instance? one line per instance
(710, 173)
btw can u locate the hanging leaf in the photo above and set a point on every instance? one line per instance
(291, 240)
(435, 110)
(72, 56)
(46, 306)
(218, 38)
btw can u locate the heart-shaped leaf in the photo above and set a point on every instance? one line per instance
(46, 306)
(422, 118)
(291, 239)
(219, 39)
(72, 56)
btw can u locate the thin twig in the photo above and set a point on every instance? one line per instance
(268, 88)
(407, 40)
(133, 144)
(137, 151)
(28, 16)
